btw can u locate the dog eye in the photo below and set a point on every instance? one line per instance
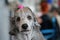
(29, 17)
(18, 18)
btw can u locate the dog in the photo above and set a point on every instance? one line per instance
(24, 25)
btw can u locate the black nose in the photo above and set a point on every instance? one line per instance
(24, 26)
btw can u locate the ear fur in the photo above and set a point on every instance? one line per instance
(36, 24)
(12, 5)
(13, 29)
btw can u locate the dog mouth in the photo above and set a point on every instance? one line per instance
(25, 30)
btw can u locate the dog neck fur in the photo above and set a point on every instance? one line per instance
(23, 36)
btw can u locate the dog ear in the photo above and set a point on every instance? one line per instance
(36, 25)
(13, 29)
(13, 6)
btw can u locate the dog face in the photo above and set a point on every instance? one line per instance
(24, 20)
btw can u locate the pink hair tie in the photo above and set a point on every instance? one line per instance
(20, 6)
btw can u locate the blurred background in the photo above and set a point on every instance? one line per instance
(47, 13)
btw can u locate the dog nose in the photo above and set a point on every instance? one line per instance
(24, 26)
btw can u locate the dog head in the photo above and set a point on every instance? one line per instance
(25, 20)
